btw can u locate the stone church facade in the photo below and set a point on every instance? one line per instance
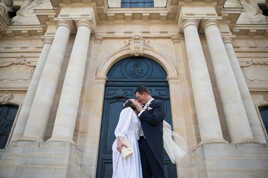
(66, 66)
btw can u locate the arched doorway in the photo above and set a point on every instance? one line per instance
(122, 80)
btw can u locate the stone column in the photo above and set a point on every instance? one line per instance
(69, 101)
(251, 111)
(204, 99)
(44, 97)
(28, 100)
(234, 111)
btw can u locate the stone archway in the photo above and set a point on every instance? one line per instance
(107, 64)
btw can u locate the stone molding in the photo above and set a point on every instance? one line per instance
(4, 19)
(18, 61)
(137, 45)
(103, 68)
(6, 98)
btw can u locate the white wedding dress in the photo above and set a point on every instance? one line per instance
(128, 127)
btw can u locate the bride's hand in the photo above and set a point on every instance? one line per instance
(119, 148)
(120, 145)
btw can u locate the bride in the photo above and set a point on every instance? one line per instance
(127, 129)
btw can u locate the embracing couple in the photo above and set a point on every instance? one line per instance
(139, 135)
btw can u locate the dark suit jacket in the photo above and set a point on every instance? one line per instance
(152, 125)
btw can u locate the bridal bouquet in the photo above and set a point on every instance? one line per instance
(126, 150)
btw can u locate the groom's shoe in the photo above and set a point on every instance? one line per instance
(142, 137)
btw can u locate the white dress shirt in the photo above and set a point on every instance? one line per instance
(143, 109)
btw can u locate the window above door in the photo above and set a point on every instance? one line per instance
(137, 3)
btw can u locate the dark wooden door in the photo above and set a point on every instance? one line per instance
(7, 117)
(123, 79)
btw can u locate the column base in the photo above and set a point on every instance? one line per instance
(246, 141)
(42, 160)
(54, 139)
(210, 141)
(234, 160)
(29, 139)
(226, 161)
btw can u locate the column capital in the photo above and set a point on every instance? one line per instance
(188, 22)
(228, 38)
(65, 23)
(47, 39)
(177, 38)
(209, 22)
(85, 23)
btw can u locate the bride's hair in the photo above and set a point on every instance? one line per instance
(129, 103)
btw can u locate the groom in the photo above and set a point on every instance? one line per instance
(151, 140)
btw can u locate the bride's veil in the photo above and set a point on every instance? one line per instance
(175, 150)
(178, 152)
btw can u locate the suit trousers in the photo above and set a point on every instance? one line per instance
(150, 165)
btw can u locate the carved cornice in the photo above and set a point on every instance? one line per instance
(130, 34)
(250, 62)
(250, 29)
(18, 61)
(24, 30)
(263, 89)
(143, 14)
(60, 3)
(14, 89)
(22, 49)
